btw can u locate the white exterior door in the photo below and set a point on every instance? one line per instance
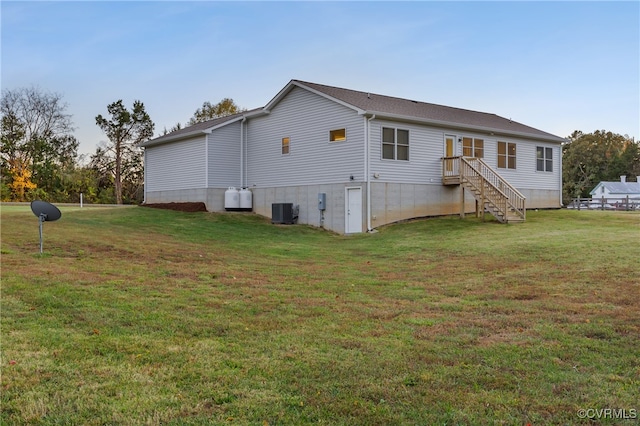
(449, 145)
(353, 210)
(449, 151)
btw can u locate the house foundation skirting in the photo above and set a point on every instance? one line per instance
(176, 196)
(541, 198)
(306, 198)
(390, 202)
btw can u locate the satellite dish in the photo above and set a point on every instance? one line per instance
(45, 212)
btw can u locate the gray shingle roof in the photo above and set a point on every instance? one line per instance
(381, 105)
(623, 188)
(374, 103)
(198, 128)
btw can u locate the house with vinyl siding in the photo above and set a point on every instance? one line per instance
(378, 159)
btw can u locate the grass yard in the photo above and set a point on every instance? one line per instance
(143, 316)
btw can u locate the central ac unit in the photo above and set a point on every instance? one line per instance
(282, 213)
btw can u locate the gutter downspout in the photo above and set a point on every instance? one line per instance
(560, 171)
(206, 160)
(242, 178)
(367, 166)
(144, 177)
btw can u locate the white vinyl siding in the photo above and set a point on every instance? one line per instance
(224, 156)
(307, 119)
(524, 176)
(426, 149)
(179, 165)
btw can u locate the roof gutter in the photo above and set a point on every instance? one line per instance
(168, 139)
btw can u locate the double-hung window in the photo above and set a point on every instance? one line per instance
(285, 146)
(544, 159)
(506, 155)
(473, 147)
(395, 144)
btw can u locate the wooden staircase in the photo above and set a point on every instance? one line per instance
(492, 192)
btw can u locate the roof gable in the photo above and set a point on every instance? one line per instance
(308, 86)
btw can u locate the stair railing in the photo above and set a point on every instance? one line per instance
(486, 190)
(512, 198)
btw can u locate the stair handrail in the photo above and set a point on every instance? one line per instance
(491, 197)
(515, 199)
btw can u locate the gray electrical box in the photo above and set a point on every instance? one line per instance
(322, 201)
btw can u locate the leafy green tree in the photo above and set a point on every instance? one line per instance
(102, 165)
(208, 111)
(175, 127)
(37, 136)
(594, 157)
(125, 130)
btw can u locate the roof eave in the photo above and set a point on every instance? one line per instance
(226, 123)
(162, 140)
(462, 126)
(168, 139)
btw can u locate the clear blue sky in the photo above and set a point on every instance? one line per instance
(556, 66)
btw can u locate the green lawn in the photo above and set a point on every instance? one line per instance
(142, 316)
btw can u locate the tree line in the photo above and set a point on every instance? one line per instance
(589, 158)
(39, 152)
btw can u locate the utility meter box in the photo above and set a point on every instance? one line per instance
(322, 201)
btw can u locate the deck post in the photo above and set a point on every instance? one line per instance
(482, 200)
(461, 201)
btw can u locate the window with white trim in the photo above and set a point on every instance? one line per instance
(395, 144)
(544, 159)
(506, 155)
(338, 135)
(473, 147)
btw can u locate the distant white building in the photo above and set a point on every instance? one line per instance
(617, 190)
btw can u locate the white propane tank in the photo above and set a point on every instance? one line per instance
(231, 199)
(246, 199)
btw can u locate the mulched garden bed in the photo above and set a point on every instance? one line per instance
(181, 207)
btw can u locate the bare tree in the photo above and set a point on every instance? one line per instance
(37, 133)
